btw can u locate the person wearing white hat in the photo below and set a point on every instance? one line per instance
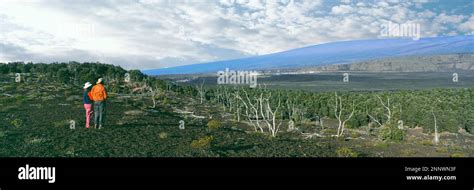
(87, 102)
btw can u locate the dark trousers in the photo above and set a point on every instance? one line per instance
(99, 113)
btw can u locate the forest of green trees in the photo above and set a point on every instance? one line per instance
(75, 73)
(452, 108)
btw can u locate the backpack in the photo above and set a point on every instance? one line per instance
(97, 93)
(89, 94)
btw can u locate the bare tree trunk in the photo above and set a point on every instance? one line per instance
(338, 113)
(154, 93)
(321, 122)
(387, 107)
(153, 98)
(224, 98)
(237, 104)
(271, 125)
(251, 111)
(289, 105)
(388, 113)
(238, 114)
(436, 136)
(201, 90)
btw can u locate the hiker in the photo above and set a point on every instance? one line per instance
(99, 96)
(87, 102)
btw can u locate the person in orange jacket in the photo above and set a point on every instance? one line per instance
(99, 96)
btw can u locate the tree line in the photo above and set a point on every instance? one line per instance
(265, 109)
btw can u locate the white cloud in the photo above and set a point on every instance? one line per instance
(445, 19)
(153, 33)
(383, 4)
(341, 9)
(468, 26)
(346, 1)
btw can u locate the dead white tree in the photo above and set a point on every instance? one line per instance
(387, 107)
(270, 117)
(224, 97)
(217, 96)
(311, 135)
(318, 121)
(321, 121)
(260, 110)
(302, 112)
(251, 110)
(340, 115)
(200, 90)
(155, 93)
(238, 105)
(237, 111)
(388, 112)
(292, 110)
(230, 100)
(436, 135)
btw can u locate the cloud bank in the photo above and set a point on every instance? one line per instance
(146, 34)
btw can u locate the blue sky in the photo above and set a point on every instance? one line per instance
(147, 34)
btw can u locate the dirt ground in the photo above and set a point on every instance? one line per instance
(36, 122)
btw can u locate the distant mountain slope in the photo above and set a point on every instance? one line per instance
(425, 63)
(333, 53)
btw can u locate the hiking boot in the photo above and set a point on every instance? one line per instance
(100, 126)
(95, 126)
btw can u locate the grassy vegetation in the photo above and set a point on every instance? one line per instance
(38, 114)
(346, 152)
(213, 124)
(390, 133)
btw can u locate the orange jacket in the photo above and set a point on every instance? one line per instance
(98, 93)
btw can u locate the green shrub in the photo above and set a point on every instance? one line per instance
(163, 135)
(427, 143)
(469, 126)
(391, 133)
(17, 123)
(382, 145)
(442, 150)
(35, 140)
(10, 87)
(409, 152)
(346, 152)
(202, 142)
(20, 98)
(63, 123)
(354, 135)
(165, 101)
(457, 155)
(213, 124)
